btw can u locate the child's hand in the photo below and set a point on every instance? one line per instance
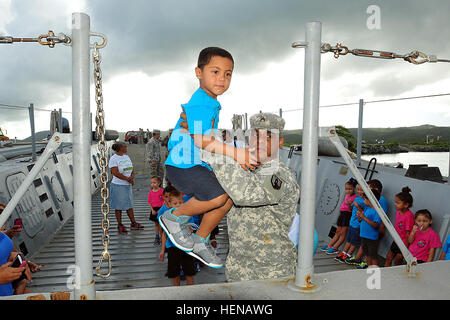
(161, 255)
(246, 158)
(360, 215)
(415, 228)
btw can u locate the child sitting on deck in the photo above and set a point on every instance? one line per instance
(404, 221)
(423, 239)
(343, 220)
(353, 239)
(370, 224)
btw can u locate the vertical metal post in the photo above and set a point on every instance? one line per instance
(60, 125)
(360, 132)
(305, 266)
(81, 155)
(33, 134)
(90, 127)
(281, 113)
(448, 175)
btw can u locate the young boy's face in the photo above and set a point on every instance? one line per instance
(215, 77)
(175, 202)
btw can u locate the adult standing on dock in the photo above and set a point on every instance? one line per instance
(121, 192)
(153, 151)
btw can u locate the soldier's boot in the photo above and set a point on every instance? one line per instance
(177, 230)
(203, 251)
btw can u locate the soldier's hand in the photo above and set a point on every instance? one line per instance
(247, 158)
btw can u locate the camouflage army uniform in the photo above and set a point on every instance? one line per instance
(153, 153)
(265, 203)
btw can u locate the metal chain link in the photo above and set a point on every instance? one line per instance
(103, 162)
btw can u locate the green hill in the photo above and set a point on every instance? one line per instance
(404, 135)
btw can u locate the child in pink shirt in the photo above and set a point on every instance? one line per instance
(156, 201)
(423, 240)
(404, 221)
(343, 221)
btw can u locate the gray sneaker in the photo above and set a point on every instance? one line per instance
(177, 230)
(203, 251)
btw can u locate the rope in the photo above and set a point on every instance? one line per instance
(10, 106)
(375, 101)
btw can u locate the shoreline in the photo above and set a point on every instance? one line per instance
(392, 149)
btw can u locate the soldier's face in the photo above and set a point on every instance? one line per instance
(267, 143)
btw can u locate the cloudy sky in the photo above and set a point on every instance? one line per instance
(148, 64)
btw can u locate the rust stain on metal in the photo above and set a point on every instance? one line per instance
(309, 285)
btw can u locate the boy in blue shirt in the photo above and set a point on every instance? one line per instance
(370, 224)
(188, 173)
(445, 255)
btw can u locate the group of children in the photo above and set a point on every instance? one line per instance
(361, 227)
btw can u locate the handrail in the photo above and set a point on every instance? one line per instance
(330, 132)
(51, 147)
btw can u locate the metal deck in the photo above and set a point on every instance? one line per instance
(135, 262)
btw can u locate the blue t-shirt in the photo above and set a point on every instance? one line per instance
(384, 204)
(201, 112)
(354, 222)
(446, 248)
(366, 230)
(6, 246)
(194, 219)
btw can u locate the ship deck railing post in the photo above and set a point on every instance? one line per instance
(60, 124)
(360, 132)
(305, 263)
(85, 288)
(33, 133)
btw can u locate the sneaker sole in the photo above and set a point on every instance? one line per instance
(161, 223)
(211, 265)
(331, 253)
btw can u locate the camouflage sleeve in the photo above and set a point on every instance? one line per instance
(151, 155)
(245, 188)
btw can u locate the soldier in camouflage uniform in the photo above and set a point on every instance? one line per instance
(153, 155)
(265, 203)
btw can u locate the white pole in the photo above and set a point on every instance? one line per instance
(360, 132)
(305, 266)
(81, 155)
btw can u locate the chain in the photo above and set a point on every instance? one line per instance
(104, 192)
(49, 39)
(415, 57)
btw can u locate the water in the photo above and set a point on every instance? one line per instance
(433, 159)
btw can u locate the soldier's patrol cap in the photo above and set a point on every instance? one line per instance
(156, 131)
(268, 121)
